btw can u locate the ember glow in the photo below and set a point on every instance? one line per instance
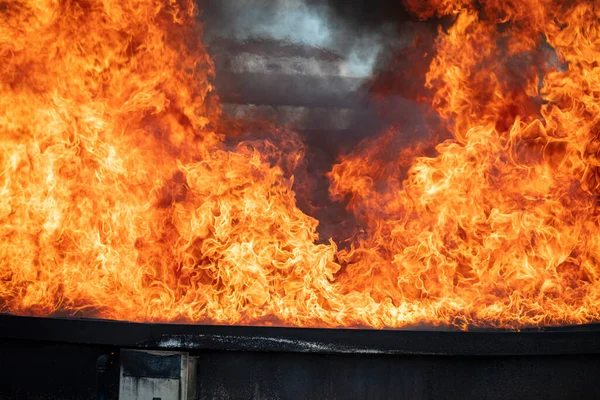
(122, 197)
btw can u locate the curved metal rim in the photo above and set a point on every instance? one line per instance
(554, 341)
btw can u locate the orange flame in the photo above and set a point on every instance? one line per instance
(502, 225)
(120, 199)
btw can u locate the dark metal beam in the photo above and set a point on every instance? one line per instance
(568, 340)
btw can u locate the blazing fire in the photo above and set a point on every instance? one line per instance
(121, 199)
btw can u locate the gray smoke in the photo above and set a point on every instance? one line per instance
(357, 32)
(310, 64)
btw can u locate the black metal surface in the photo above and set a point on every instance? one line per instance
(102, 365)
(229, 375)
(61, 371)
(561, 341)
(32, 370)
(141, 364)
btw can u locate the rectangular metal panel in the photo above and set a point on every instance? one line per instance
(134, 388)
(156, 375)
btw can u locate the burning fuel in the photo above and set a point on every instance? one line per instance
(119, 198)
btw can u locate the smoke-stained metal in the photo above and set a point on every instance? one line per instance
(551, 341)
